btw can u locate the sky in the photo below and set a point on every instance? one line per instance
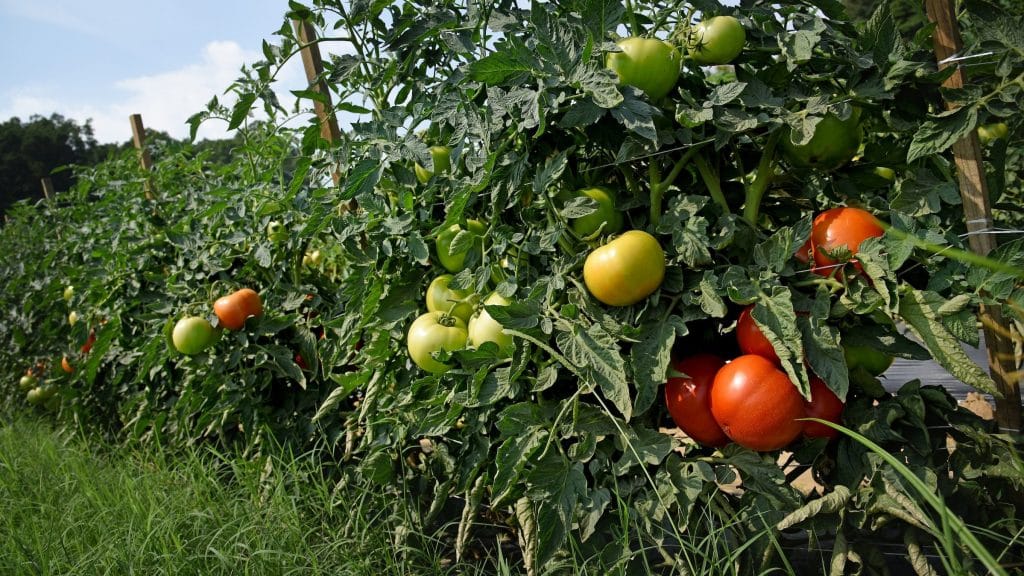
(103, 60)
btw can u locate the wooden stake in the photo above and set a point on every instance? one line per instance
(47, 187)
(978, 212)
(145, 160)
(314, 65)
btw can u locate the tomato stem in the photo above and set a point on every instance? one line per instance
(659, 186)
(757, 188)
(712, 181)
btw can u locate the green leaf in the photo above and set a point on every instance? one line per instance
(596, 354)
(512, 64)
(775, 316)
(650, 359)
(638, 117)
(921, 311)
(940, 133)
(830, 503)
(821, 344)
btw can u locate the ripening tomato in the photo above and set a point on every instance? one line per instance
(441, 155)
(441, 298)
(484, 328)
(433, 332)
(650, 64)
(833, 143)
(193, 334)
(824, 405)
(89, 341)
(756, 404)
(69, 293)
(606, 215)
(66, 366)
(689, 402)
(717, 40)
(750, 338)
(234, 309)
(841, 228)
(625, 270)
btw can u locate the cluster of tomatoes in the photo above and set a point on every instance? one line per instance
(750, 400)
(194, 334)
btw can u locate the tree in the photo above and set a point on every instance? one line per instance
(30, 151)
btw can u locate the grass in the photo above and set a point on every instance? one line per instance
(68, 507)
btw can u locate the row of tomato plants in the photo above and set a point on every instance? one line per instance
(485, 312)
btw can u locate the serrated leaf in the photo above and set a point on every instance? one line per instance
(508, 64)
(638, 117)
(919, 309)
(650, 359)
(821, 343)
(828, 504)
(596, 355)
(940, 133)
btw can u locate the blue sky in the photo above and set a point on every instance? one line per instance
(106, 59)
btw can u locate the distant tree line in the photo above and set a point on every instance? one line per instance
(44, 146)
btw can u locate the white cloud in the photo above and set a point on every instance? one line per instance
(165, 100)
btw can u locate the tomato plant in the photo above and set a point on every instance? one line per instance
(441, 298)
(234, 309)
(650, 64)
(433, 332)
(688, 398)
(837, 233)
(193, 334)
(717, 40)
(756, 404)
(989, 133)
(626, 270)
(276, 232)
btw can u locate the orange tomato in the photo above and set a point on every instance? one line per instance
(234, 309)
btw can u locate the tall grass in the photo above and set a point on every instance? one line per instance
(67, 507)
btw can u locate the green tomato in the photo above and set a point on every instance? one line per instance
(69, 293)
(606, 214)
(717, 40)
(441, 298)
(484, 328)
(33, 395)
(193, 334)
(626, 270)
(276, 232)
(991, 132)
(833, 143)
(433, 332)
(874, 361)
(885, 173)
(27, 382)
(73, 318)
(455, 262)
(441, 155)
(649, 64)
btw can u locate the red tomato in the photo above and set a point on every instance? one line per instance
(688, 399)
(89, 342)
(824, 404)
(751, 339)
(756, 404)
(234, 309)
(300, 361)
(841, 228)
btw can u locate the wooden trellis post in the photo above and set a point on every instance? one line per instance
(314, 65)
(47, 184)
(978, 212)
(145, 160)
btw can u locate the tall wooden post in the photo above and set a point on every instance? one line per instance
(314, 65)
(145, 160)
(47, 184)
(978, 212)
